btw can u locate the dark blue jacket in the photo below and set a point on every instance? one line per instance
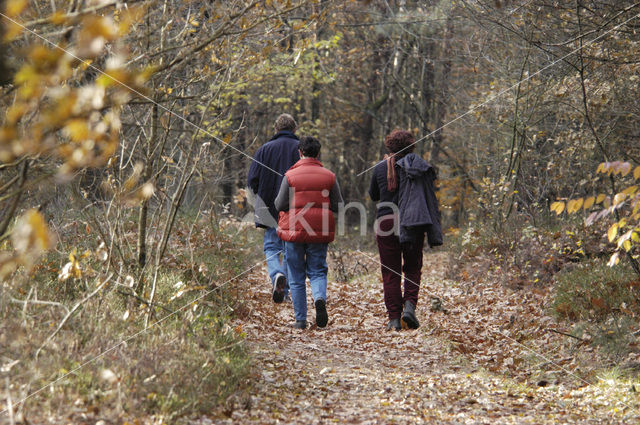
(417, 201)
(271, 161)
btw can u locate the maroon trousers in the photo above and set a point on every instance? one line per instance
(396, 259)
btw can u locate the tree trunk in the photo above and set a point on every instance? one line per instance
(148, 172)
(444, 93)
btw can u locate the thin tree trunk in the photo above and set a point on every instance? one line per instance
(444, 93)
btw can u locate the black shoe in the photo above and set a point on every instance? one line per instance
(409, 315)
(394, 324)
(299, 324)
(321, 313)
(279, 284)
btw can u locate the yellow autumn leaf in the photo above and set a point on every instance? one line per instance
(15, 7)
(128, 18)
(626, 245)
(77, 130)
(588, 203)
(602, 168)
(615, 258)
(100, 26)
(600, 198)
(15, 112)
(570, 205)
(26, 74)
(58, 18)
(577, 204)
(612, 232)
(131, 182)
(617, 200)
(624, 238)
(31, 233)
(636, 173)
(11, 31)
(557, 207)
(635, 237)
(43, 238)
(630, 190)
(112, 77)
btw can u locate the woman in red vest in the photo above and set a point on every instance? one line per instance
(308, 198)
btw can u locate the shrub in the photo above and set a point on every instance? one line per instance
(186, 364)
(593, 291)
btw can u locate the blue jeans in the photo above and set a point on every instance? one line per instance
(306, 260)
(273, 250)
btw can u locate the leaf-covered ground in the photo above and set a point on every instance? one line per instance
(474, 363)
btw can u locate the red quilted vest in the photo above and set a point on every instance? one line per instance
(309, 219)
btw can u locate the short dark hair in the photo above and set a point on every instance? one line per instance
(285, 122)
(309, 146)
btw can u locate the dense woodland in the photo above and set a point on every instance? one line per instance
(128, 127)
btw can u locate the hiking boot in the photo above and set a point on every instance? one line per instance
(299, 324)
(394, 324)
(409, 315)
(321, 313)
(279, 283)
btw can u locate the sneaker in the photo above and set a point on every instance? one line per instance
(394, 324)
(279, 283)
(409, 315)
(299, 324)
(321, 313)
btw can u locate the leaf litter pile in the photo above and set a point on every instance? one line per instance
(484, 354)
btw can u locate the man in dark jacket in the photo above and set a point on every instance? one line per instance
(270, 163)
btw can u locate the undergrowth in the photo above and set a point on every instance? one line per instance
(597, 302)
(601, 302)
(114, 359)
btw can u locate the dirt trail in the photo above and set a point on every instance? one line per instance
(354, 371)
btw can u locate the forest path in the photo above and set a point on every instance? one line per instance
(354, 371)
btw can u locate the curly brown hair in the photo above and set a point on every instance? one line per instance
(400, 141)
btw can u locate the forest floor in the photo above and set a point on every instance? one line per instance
(489, 358)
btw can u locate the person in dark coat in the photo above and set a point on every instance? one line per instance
(408, 208)
(270, 163)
